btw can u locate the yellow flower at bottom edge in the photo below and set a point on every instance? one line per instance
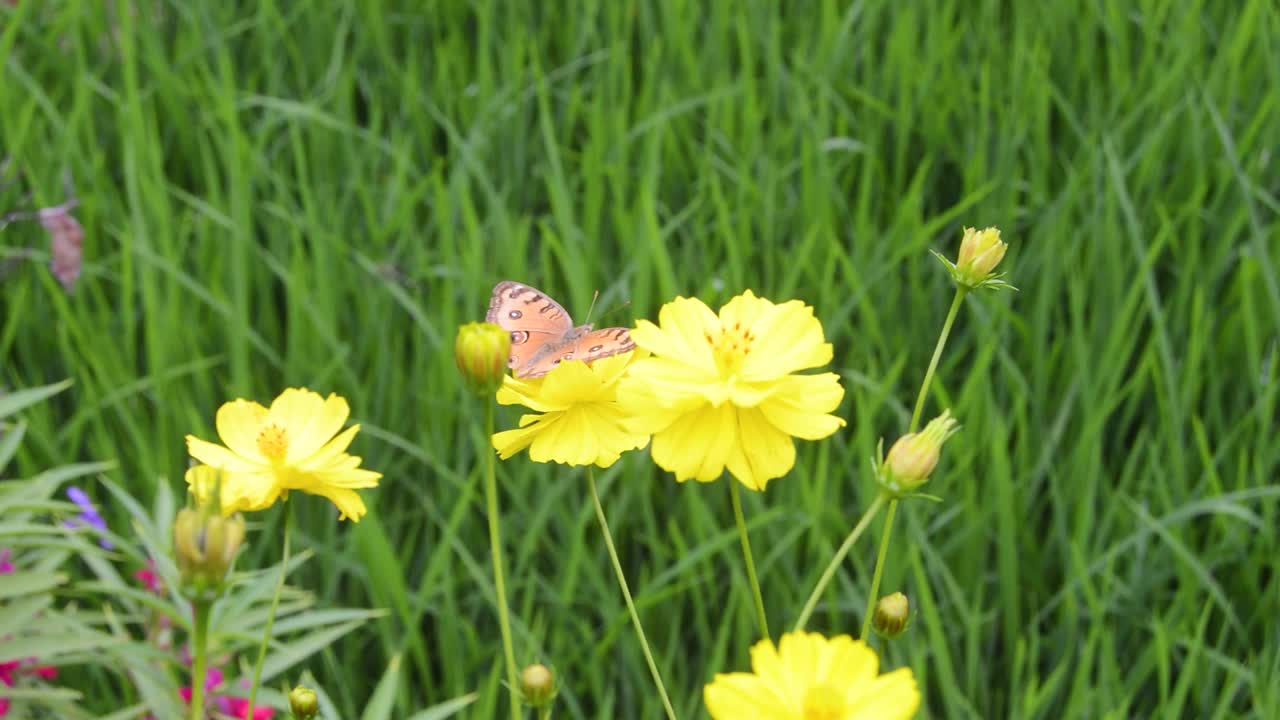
(810, 677)
(721, 391)
(581, 422)
(296, 444)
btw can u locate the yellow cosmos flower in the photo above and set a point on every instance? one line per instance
(808, 677)
(720, 390)
(581, 421)
(296, 444)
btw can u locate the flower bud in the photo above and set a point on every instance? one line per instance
(205, 544)
(303, 703)
(481, 351)
(891, 616)
(980, 252)
(538, 685)
(914, 456)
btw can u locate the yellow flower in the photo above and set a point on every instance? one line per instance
(720, 390)
(808, 677)
(289, 446)
(581, 422)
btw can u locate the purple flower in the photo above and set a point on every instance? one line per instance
(88, 514)
(5, 565)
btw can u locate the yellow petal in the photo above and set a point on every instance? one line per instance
(698, 444)
(218, 456)
(800, 403)
(741, 696)
(892, 696)
(309, 420)
(681, 333)
(791, 340)
(510, 442)
(238, 423)
(349, 503)
(331, 450)
(762, 453)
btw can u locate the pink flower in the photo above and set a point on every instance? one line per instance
(239, 708)
(5, 565)
(149, 578)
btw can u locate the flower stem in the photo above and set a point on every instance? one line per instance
(545, 713)
(746, 554)
(836, 560)
(961, 291)
(495, 547)
(199, 639)
(875, 576)
(626, 594)
(271, 616)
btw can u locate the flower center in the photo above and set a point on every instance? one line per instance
(273, 442)
(731, 347)
(823, 702)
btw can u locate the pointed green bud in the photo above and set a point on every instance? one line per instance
(914, 456)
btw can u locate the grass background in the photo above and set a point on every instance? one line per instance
(315, 193)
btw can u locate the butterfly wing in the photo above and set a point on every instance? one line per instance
(533, 319)
(582, 343)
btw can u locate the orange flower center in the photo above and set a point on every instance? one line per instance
(731, 347)
(273, 442)
(823, 702)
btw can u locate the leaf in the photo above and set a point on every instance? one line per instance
(17, 584)
(9, 441)
(298, 650)
(384, 696)
(11, 403)
(445, 709)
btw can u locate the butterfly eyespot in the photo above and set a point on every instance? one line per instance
(511, 361)
(515, 314)
(597, 348)
(567, 356)
(519, 336)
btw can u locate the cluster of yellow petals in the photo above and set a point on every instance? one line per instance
(296, 444)
(579, 420)
(713, 391)
(721, 391)
(810, 677)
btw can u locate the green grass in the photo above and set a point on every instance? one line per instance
(315, 193)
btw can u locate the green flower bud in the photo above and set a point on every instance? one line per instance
(205, 544)
(303, 703)
(538, 686)
(914, 456)
(481, 351)
(892, 615)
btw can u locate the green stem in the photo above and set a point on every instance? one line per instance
(875, 576)
(495, 548)
(199, 639)
(545, 713)
(836, 560)
(956, 302)
(626, 594)
(746, 554)
(271, 617)
(961, 291)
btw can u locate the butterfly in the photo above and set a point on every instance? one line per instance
(542, 333)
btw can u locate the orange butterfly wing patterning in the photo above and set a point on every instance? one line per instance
(542, 333)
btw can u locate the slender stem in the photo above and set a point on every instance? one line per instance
(875, 576)
(836, 560)
(961, 291)
(495, 548)
(626, 594)
(746, 554)
(545, 713)
(199, 639)
(271, 617)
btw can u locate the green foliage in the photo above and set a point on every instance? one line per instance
(318, 193)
